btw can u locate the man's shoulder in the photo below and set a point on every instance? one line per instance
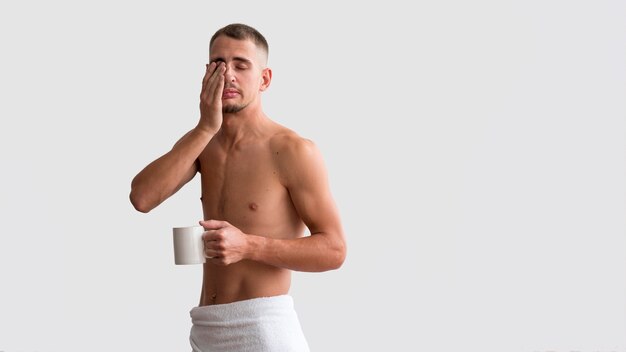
(292, 153)
(286, 143)
(295, 158)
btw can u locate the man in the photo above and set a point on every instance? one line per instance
(261, 185)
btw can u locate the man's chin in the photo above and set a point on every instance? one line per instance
(231, 109)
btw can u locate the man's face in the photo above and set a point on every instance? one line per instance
(245, 68)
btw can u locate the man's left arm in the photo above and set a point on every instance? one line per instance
(304, 175)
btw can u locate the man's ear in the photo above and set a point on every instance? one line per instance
(266, 79)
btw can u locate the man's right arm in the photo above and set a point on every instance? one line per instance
(166, 175)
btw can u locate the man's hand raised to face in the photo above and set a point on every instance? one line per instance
(211, 97)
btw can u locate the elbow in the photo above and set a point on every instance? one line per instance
(139, 203)
(339, 256)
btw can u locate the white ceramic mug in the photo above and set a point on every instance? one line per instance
(188, 245)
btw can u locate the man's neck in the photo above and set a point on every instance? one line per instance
(246, 123)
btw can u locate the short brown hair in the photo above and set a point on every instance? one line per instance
(242, 32)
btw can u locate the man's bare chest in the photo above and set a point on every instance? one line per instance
(240, 183)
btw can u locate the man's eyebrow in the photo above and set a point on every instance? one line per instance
(243, 59)
(236, 58)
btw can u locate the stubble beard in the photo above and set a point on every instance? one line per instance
(231, 109)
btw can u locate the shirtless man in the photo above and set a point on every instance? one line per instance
(261, 185)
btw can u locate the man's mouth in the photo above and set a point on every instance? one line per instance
(230, 93)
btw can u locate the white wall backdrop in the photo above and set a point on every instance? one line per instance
(476, 150)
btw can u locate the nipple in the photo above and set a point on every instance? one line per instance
(253, 206)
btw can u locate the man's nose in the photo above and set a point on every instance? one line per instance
(229, 75)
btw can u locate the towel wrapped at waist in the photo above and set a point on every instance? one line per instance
(258, 324)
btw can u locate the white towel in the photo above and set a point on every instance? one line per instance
(267, 324)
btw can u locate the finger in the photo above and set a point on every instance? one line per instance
(216, 80)
(219, 89)
(205, 79)
(210, 69)
(215, 245)
(208, 235)
(213, 224)
(213, 236)
(211, 253)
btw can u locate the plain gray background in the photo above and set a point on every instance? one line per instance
(476, 150)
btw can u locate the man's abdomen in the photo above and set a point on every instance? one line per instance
(242, 280)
